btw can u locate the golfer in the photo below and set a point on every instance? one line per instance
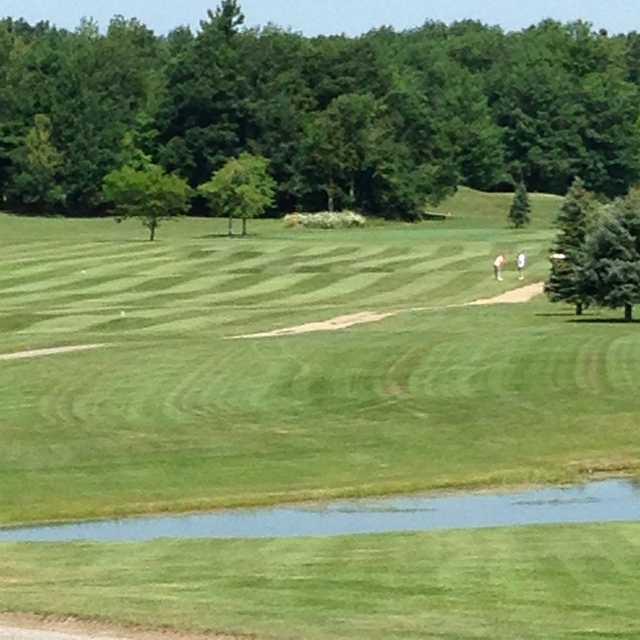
(521, 264)
(498, 264)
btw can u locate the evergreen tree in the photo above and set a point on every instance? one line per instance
(228, 16)
(573, 221)
(609, 271)
(519, 214)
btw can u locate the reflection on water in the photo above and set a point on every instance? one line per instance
(555, 501)
(608, 501)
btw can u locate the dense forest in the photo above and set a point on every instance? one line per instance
(385, 123)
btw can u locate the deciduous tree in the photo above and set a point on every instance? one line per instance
(38, 163)
(242, 189)
(149, 194)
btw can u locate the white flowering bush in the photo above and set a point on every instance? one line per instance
(325, 220)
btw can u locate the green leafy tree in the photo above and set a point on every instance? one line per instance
(336, 146)
(204, 120)
(520, 212)
(38, 164)
(609, 271)
(393, 184)
(101, 83)
(242, 189)
(280, 102)
(573, 223)
(148, 193)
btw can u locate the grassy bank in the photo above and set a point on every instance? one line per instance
(531, 584)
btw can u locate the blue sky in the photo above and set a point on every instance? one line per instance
(335, 16)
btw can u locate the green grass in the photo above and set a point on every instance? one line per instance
(573, 583)
(173, 417)
(490, 210)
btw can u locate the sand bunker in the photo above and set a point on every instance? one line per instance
(37, 353)
(517, 296)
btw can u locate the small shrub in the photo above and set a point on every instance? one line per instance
(325, 220)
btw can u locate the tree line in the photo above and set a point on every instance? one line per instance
(383, 123)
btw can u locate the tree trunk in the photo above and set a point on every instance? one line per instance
(152, 230)
(244, 226)
(330, 203)
(230, 226)
(579, 309)
(628, 313)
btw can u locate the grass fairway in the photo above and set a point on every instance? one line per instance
(172, 417)
(573, 583)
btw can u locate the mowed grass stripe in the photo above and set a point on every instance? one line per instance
(284, 257)
(132, 296)
(76, 272)
(354, 261)
(71, 272)
(568, 583)
(622, 358)
(90, 254)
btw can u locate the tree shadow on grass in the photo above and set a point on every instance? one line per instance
(235, 236)
(604, 321)
(122, 241)
(557, 314)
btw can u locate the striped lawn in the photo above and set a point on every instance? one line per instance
(535, 583)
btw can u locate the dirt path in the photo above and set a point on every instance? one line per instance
(37, 353)
(516, 296)
(27, 627)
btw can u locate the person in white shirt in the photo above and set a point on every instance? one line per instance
(498, 263)
(521, 264)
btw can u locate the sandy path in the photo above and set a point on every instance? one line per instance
(335, 324)
(29, 627)
(37, 353)
(13, 633)
(516, 296)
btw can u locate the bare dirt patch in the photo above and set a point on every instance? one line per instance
(30, 627)
(38, 353)
(516, 296)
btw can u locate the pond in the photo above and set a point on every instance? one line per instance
(606, 501)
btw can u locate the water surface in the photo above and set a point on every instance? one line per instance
(607, 501)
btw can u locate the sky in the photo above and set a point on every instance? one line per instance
(353, 17)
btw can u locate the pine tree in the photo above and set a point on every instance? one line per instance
(519, 214)
(609, 272)
(573, 221)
